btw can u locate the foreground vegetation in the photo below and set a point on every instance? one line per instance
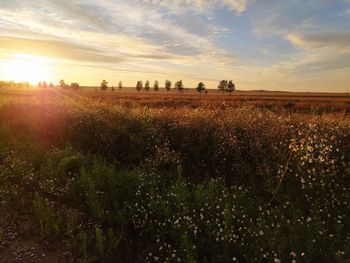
(179, 179)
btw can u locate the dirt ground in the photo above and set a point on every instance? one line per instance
(21, 242)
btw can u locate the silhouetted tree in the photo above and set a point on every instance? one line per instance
(63, 84)
(40, 85)
(51, 86)
(156, 86)
(44, 85)
(120, 85)
(147, 85)
(112, 88)
(200, 87)
(226, 86)
(222, 85)
(230, 86)
(167, 85)
(75, 86)
(179, 85)
(139, 85)
(104, 85)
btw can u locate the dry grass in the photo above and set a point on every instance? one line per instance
(279, 102)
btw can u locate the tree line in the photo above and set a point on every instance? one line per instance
(223, 86)
(13, 84)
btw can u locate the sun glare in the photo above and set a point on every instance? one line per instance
(28, 68)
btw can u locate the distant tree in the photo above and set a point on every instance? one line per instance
(51, 86)
(112, 89)
(230, 86)
(200, 87)
(12, 84)
(44, 86)
(63, 84)
(120, 85)
(139, 85)
(179, 85)
(222, 85)
(167, 85)
(75, 86)
(226, 86)
(104, 85)
(40, 85)
(156, 86)
(147, 85)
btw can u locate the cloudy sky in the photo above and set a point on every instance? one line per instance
(301, 45)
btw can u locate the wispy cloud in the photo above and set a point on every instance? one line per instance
(200, 5)
(332, 39)
(57, 49)
(250, 41)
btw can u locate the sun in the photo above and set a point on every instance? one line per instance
(27, 68)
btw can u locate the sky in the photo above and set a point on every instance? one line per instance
(295, 45)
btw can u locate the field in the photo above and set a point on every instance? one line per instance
(91, 176)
